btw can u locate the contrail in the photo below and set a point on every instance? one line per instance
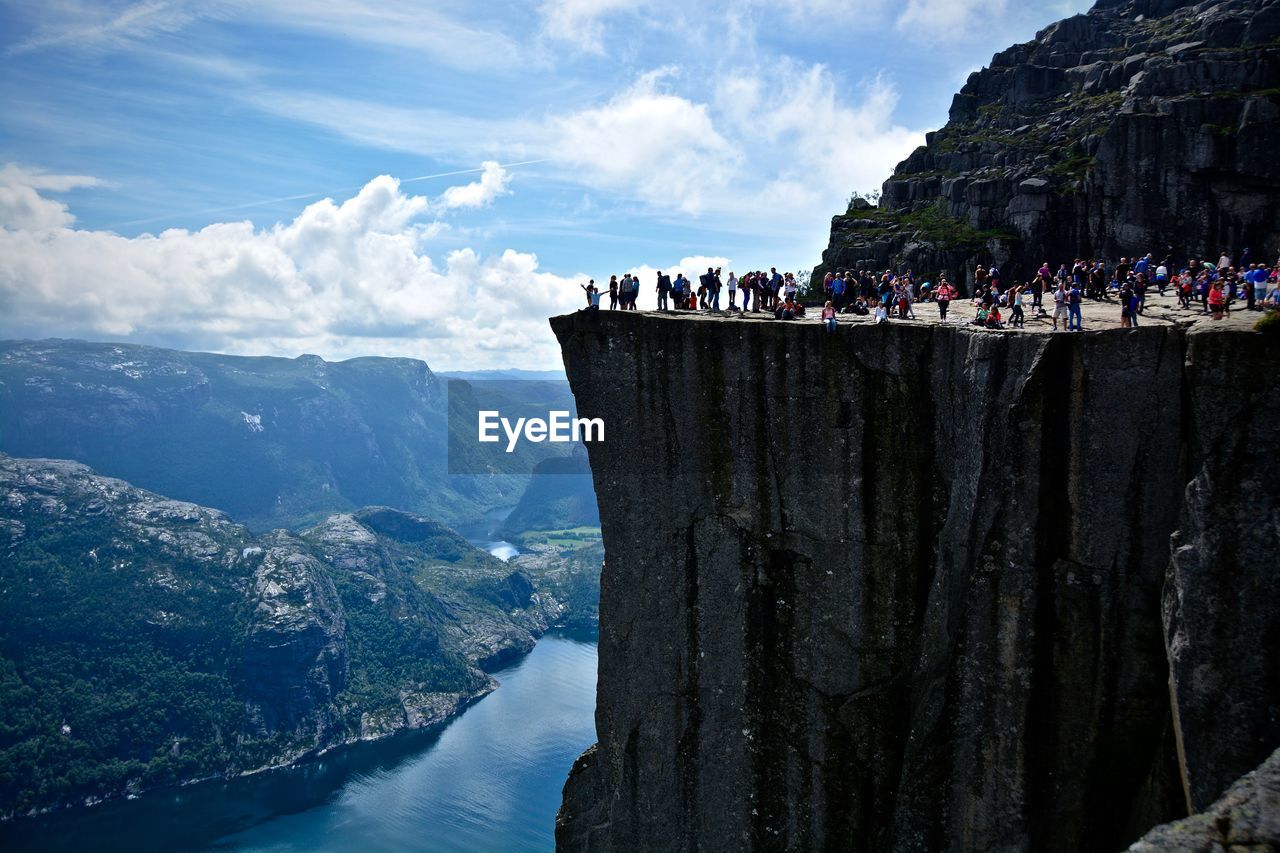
(284, 198)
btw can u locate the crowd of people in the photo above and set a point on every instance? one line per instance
(771, 292)
(1199, 285)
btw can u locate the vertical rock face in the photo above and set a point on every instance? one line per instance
(1224, 577)
(294, 663)
(897, 587)
(1140, 126)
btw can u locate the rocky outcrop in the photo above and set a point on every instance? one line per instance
(1247, 817)
(1144, 125)
(294, 663)
(900, 587)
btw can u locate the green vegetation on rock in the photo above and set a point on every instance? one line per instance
(146, 641)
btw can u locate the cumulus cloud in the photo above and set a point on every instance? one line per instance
(22, 205)
(659, 145)
(826, 143)
(341, 279)
(481, 193)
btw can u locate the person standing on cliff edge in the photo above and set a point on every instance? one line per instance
(1075, 322)
(945, 294)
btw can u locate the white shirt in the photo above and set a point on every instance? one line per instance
(733, 281)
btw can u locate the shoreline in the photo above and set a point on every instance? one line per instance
(464, 701)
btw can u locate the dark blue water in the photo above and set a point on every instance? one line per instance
(490, 780)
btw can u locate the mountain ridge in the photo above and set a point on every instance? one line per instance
(276, 442)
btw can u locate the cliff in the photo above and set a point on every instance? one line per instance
(1144, 125)
(146, 641)
(911, 586)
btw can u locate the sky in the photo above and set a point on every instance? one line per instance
(403, 178)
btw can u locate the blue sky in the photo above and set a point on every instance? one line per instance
(168, 162)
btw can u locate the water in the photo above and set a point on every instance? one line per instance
(481, 534)
(490, 780)
(501, 549)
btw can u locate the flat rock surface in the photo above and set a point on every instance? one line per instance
(1159, 310)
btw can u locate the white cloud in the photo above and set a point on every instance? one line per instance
(341, 279)
(492, 183)
(579, 21)
(825, 144)
(663, 147)
(22, 206)
(765, 142)
(938, 18)
(98, 26)
(692, 267)
(406, 25)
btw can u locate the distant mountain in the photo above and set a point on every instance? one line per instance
(509, 373)
(271, 441)
(560, 495)
(146, 641)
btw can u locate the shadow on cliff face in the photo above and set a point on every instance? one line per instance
(900, 586)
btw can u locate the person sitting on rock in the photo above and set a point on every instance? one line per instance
(882, 313)
(829, 316)
(980, 319)
(993, 318)
(593, 296)
(860, 307)
(1217, 300)
(786, 310)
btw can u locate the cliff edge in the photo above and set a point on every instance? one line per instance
(913, 587)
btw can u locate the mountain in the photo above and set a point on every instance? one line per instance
(1141, 126)
(507, 375)
(968, 590)
(274, 442)
(146, 641)
(560, 495)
